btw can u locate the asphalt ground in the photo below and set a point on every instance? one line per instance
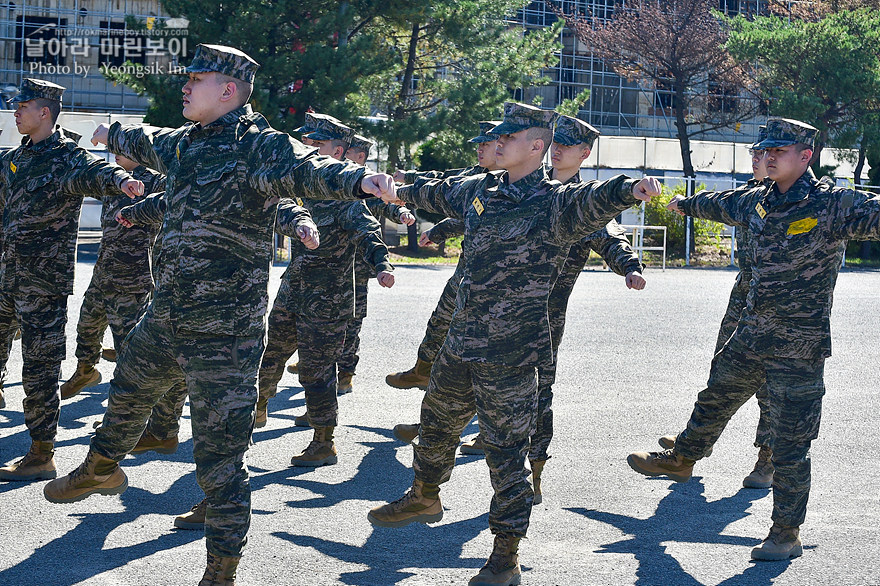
(630, 366)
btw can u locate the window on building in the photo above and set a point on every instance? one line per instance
(722, 97)
(118, 45)
(37, 40)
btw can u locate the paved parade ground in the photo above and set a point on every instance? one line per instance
(630, 366)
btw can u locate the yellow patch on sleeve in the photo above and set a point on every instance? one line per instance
(761, 211)
(802, 226)
(13, 167)
(478, 205)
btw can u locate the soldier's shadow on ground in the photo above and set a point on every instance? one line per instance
(379, 476)
(386, 552)
(703, 523)
(81, 553)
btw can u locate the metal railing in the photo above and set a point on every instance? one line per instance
(638, 239)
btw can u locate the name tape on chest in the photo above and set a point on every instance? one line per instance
(478, 205)
(802, 226)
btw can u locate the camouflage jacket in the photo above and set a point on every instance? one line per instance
(321, 281)
(391, 211)
(44, 185)
(224, 181)
(798, 243)
(124, 255)
(410, 176)
(515, 237)
(609, 242)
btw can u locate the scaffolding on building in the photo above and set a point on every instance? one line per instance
(616, 105)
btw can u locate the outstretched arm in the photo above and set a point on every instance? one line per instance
(579, 209)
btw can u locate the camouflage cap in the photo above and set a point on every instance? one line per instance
(226, 60)
(361, 143)
(783, 132)
(329, 128)
(485, 132)
(570, 131)
(31, 89)
(522, 116)
(309, 124)
(762, 135)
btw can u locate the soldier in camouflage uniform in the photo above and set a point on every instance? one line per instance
(44, 182)
(206, 322)
(517, 226)
(337, 144)
(761, 475)
(799, 227)
(315, 304)
(441, 317)
(121, 282)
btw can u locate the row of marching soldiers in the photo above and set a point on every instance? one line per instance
(231, 182)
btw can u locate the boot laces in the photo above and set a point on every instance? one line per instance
(313, 447)
(501, 557)
(202, 506)
(212, 571)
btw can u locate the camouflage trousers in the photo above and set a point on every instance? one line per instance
(220, 373)
(319, 343)
(735, 307)
(103, 304)
(794, 395)
(42, 320)
(557, 305)
(349, 359)
(164, 422)
(504, 399)
(441, 318)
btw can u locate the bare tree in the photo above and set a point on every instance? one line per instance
(675, 48)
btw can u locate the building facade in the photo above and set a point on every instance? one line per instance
(71, 42)
(617, 106)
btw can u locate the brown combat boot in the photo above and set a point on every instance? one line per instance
(96, 475)
(109, 354)
(406, 433)
(195, 518)
(220, 571)
(262, 416)
(666, 463)
(420, 504)
(302, 420)
(781, 544)
(762, 475)
(415, 377)
(37, 464)
(343, 384)
(85, 376)
(473, 447)
(667, 442)
(293, 367)
(502, 566)
(320, 452)
(537, 469)
(150, 443)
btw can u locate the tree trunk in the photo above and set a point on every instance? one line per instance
(860, 164)
(684, 143)
(403, 97)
